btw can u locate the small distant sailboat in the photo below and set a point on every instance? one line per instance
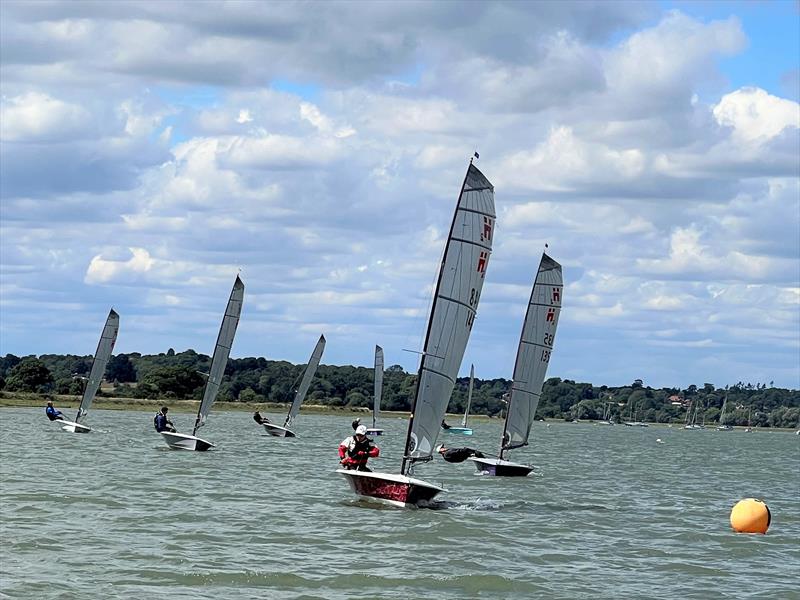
(693, 424)
(300, 395)
(455, 302)
(377, 392)
(533, 357)
(749, 428)
(104, 348)
(722, 425)
(464, 430)
(222, 349)
(606, 420)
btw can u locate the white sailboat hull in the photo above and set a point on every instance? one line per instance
(183, 441)
(390, 488)
(278, 431)
(73, 427)
(459, 430)
(501, 468)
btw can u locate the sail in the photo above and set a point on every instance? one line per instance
(222, 350)
(378, 384)
(533, 354)
(722, 414)
(305, 383)
(469, 395)
(455, 301)
(104, 348)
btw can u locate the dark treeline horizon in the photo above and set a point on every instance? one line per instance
(254, 380)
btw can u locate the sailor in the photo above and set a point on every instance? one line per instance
(52, 413)
(355, 424)
(355, 451)
(259, 419)
(445, 425)
(162, 423)
(457, 455)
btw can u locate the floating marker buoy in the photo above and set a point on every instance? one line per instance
(750, 516)
(658, 441)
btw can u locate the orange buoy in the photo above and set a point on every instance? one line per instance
(750, 516)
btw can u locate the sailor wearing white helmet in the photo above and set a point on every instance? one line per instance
(356, 450)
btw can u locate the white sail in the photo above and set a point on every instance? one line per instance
(376, 407)
(533, 354)
(305, 383)
(455, 302)
(469, 395)
(104, 348)
(222, 350)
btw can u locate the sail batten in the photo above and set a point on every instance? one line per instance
(455, 302)
(533, 353)
(305, 383)
(222, 349)
(104, 349)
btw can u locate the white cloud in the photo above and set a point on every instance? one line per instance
(36, 116)
(756, 115)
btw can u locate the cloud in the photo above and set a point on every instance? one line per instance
(37, 117)
(756, 116)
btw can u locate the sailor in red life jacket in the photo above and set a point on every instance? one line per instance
(355, 451)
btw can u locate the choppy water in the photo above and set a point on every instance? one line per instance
(611, 514)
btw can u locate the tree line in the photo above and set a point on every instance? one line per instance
(172, 375)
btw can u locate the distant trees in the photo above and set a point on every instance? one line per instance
(29, 375)
(256, 379)
(121, 369)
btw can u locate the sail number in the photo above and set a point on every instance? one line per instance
(548, 339)
(474, 297)
(546, 356)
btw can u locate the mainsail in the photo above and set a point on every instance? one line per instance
(378, 384)
(469, 395)
(104, 348)
(455, 301)
(222, 350)
(533, 354)
(305, 383)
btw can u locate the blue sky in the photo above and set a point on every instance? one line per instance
(151, 151)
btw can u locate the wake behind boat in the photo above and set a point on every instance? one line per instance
(305, 383)
(533, 356)
(222, 349)
(104, 348)
(455, 302)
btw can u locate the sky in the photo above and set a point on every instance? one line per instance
(150, 151)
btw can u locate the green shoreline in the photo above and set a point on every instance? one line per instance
(29, 400)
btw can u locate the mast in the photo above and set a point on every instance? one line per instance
(469, 395)
(222, 350)
(305, 383)
(104, 348)
(378, 389)
(455, 302)
(533, 354)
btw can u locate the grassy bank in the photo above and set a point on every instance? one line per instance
(15, 399)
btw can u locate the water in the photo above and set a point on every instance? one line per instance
(610, 514)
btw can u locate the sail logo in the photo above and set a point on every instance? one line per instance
(486, 236)
(551, 315)
(556, 295)
(482, 260)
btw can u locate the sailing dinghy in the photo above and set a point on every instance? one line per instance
(104, 348)
(300, 395)
(533, 356)
(723, 426)
(455, 303)
(376, 405)
(227, 331)
(464, 430)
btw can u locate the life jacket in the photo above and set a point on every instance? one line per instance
(51, 413)
(358, 453)
(155, 421)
